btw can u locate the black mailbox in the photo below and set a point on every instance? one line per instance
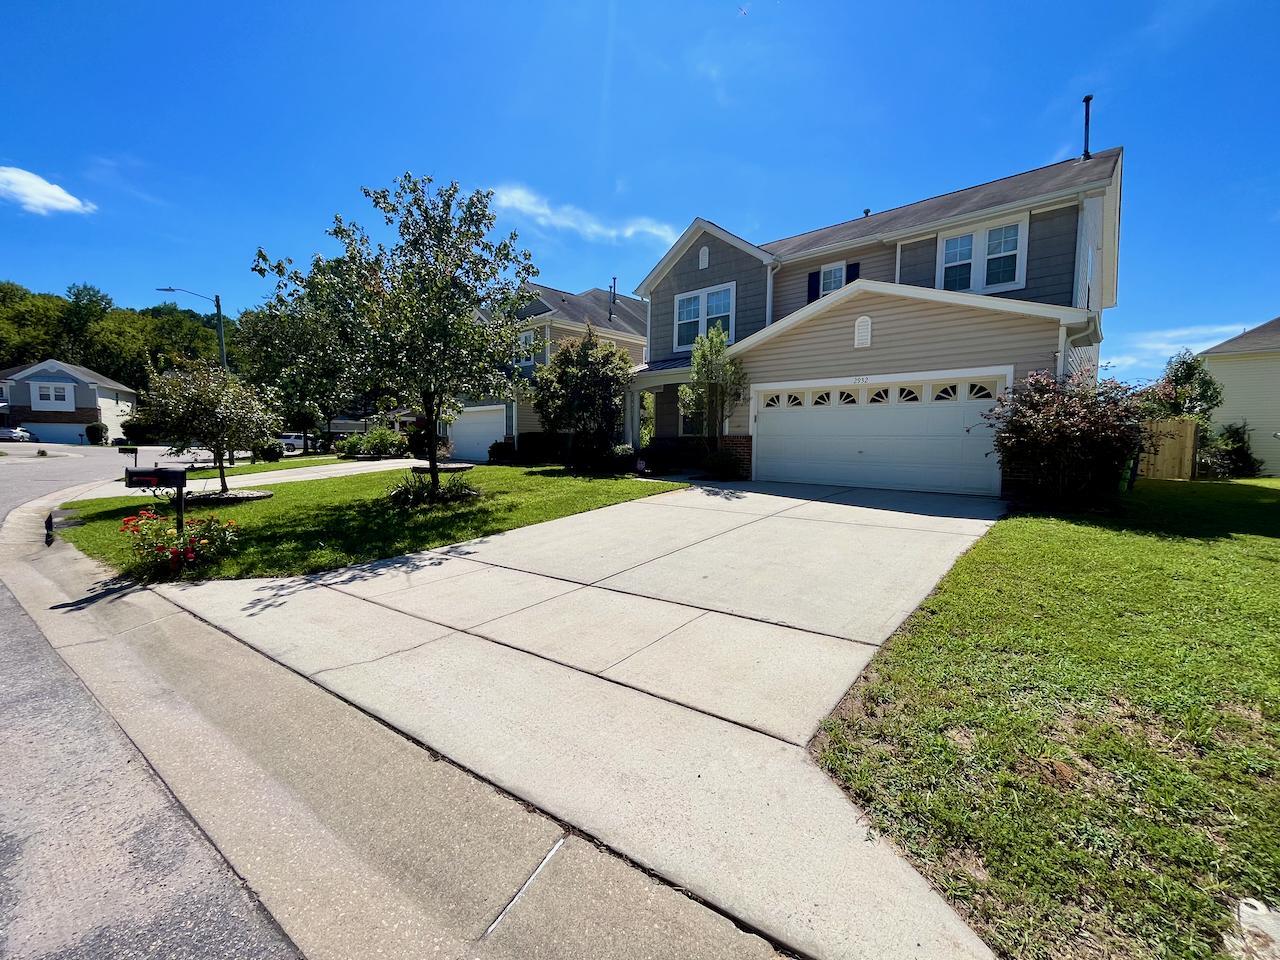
(128, 451)
(175, 477)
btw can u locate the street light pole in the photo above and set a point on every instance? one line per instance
(217, 309)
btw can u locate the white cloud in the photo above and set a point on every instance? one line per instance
(1145, 351)
(35, 194)
(521, 200)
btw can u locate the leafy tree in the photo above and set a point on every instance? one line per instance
(1186, 389)
(440, 303)
(86, 306)
(581, 392)
(717, 384)
(306, 342)
(200, 405)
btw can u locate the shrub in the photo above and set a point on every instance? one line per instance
(1067, 442)
(162, 551)
(624, 458)
(384, 442)
(96, 433)
(666, 454)
(412, 490)
(138, 431)
(42, 452)
(580, 393)
(502, 451)
(1228, 455)
(269, 452)
(722, 465)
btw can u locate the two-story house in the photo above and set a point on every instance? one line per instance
(874, 346)
(553, 317)
(56, 400)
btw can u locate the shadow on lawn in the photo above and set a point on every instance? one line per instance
(1190, 510)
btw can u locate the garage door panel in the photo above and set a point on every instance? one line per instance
(474, 430)
(929, 445)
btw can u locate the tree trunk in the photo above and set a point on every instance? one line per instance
(220, 457)
(432, 407)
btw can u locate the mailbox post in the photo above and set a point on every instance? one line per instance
(161, 477)
(128, 450)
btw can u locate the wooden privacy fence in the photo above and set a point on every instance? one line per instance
(1173, 450)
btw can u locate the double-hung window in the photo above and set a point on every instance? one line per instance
(832, 278)
(989, 258)
(699, 310)
(526, 348)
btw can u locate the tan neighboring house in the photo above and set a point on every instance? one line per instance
(56, 401)
(1248, 367)
(874, 346)
(553, 317)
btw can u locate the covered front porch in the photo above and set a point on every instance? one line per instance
(661, 380)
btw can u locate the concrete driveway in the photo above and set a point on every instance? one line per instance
(651, 673)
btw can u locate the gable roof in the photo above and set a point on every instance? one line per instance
(83, 374)
(1071, 316)
(1264, 338)
(685, 241)
(1068, 176)
(629, 315)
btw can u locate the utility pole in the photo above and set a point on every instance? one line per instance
(217, 310)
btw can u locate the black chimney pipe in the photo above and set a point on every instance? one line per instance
(1088, 99)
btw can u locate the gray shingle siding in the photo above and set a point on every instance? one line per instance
(918, 263)
(1051, 259)
(725, 262)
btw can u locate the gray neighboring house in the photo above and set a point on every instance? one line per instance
(874, 346)
(56, 400)
(1248, 367)
(552, 318)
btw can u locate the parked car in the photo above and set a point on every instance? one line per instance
(292, 442)
(17, 435)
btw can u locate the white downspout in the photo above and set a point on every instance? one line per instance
(768, 291)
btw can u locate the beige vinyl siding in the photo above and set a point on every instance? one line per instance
(526, 416)
(906, 337)
(791, 282)
(561, 334)
(1251, 393)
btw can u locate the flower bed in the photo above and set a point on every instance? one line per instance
(161, 550)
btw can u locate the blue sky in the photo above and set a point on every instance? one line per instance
(169, 141)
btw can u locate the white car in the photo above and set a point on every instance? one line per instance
(292, 442)
(16, 435)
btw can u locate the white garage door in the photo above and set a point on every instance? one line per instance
(475, 429)
(904, 435)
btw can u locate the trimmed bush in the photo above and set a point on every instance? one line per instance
(722, 465)
(1068, 442)
(384, 442)
(96, 433)
(502, 451)
(269, 452)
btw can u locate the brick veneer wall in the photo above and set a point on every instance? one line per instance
(78, 415)
(740, 446)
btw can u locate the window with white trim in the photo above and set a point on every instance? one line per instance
(699, 310)
(821, 398)
(831, 279)
(908, 394)
(52, 396)
(773, 400)
(526, 348)
(847, 398)
(880, 396)
(946, 391)
(795, 400)
(46, 392)
(982, 390)
(987, 258)
(704, 258)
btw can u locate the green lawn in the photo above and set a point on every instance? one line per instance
(1077, 737)
(317, 524)
(286, 463)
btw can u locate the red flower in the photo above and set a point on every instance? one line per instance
(190, 554)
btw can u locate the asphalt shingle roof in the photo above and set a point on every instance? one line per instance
(1021, 186)
(83, 373)
(592, 306)
(1261, 339)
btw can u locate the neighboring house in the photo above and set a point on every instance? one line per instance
(1248, 367)
(874, 346)
(56, 400)
(553, 317)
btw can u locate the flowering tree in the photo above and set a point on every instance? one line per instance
(1186, 389)
(1072, 439)
(439, 306)
(201, 405)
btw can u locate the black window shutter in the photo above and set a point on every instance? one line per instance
(851, 272)
(814, 282)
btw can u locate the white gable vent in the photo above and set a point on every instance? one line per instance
(862, 332)
(704, 257)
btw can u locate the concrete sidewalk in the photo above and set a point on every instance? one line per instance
(116, 488)
(357, 840)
